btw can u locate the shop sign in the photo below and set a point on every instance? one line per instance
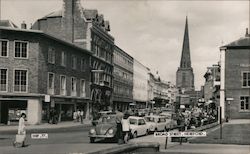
(47, 98)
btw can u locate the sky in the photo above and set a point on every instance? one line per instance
(152, 31)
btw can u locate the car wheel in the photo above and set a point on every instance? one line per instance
(92, 140)
(135, 135)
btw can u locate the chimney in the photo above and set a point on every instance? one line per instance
(247, 34)
(23, 25)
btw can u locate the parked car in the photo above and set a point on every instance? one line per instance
(106, 128)
(100, 115)
(138, 126)
(158, 123)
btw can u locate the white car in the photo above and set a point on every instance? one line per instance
(138, 126)
(158, 123)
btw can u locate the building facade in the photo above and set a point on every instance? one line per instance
(40, 72)
(88, 30)
(140, 84)
(212, 85)
(235, 79)
(123, 79)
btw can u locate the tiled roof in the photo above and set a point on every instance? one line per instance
(244, 41)
(7, 23)
(53, 14)
(88, 14)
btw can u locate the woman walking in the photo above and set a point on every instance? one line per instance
(21, 130)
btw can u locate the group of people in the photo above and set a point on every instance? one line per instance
(78, 116)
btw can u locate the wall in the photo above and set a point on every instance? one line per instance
(236, 61)
(140, 80)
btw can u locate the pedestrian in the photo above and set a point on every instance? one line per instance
(74, 116)
(119, 116)
(125, 127)
(21, 127)
(78, 115)
(81, 116)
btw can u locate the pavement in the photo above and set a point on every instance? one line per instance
(45, 126)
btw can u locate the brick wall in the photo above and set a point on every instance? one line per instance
(233, 81)
(30, 64)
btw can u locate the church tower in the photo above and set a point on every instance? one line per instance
(184, 74)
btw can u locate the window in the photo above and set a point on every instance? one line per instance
(73, 86)
(20, 80)
(51, 81)
(246, 79)
(21, 49)
(73, 60)
(244, 103)
(51, 55)
(83, 93)
(3, 48)
(3, 79)
(83, 64)
(62, 85)
(63, 58)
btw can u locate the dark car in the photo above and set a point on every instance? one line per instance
(106, 128)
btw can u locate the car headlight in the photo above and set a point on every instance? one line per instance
(111, 131)
(92, 131)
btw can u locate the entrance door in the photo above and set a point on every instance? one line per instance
(4, 113)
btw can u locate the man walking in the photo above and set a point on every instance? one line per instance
(81, 115)
(119, 116)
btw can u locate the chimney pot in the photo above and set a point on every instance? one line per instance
(23, 25)
(247, 35)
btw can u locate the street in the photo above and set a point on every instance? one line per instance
(64, 140)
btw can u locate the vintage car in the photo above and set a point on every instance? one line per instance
(158, 123)
(106, 128)
(138, 126)
(100, 115)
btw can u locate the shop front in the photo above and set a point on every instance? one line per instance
(11, 110)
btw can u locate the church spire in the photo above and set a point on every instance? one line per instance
(185, 56)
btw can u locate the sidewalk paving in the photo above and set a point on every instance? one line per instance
(236, 131)
(7, 128)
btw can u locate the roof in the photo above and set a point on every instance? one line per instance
(135, 117)
(45, 35)
(53, 14)
(88, 14)
(242, 42)
(7, 23)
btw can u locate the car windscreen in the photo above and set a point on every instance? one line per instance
(133, 121)
(108, 119)
(149, 119)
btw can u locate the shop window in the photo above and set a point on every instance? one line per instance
(51, 79)
(244, 103)
(62, 85)
(21, 49)
(63, 58)
(4, 48)
(51, 55)
(246, 79)
(3, 79)
(73, 86)
(20, 80)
